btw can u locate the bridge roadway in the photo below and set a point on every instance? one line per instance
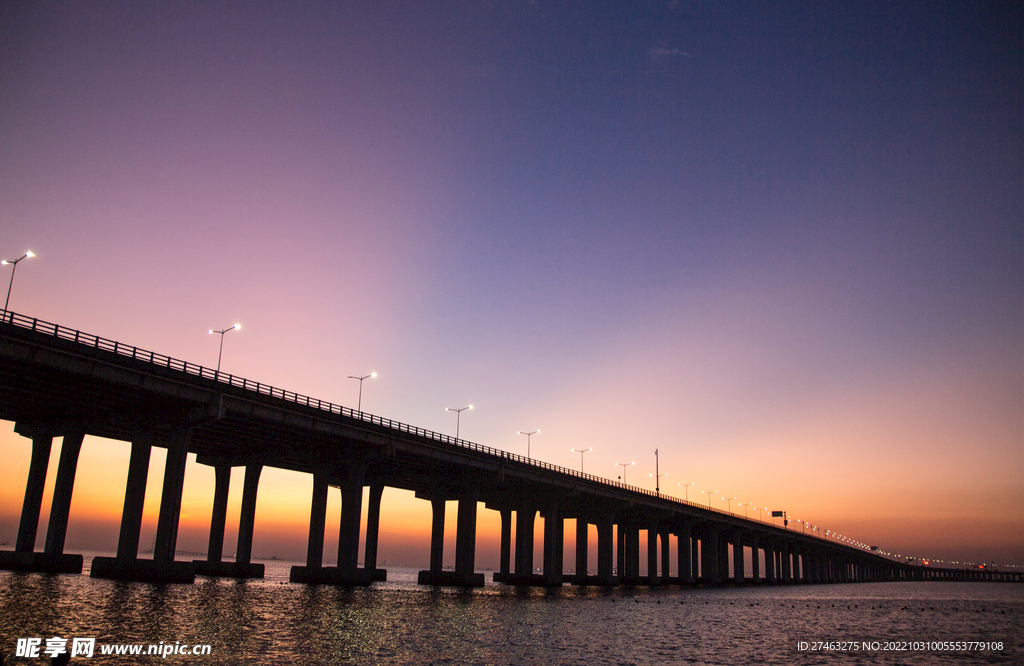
(56, 381)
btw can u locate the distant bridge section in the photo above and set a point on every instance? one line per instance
(56, 381)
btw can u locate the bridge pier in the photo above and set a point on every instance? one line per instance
(373, 533)
(553, 544)
(465, 542)
(242, 567)
(710, 571)
(52, 559)
(163, 567)
(347, 572)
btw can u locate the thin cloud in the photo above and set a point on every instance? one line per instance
(658, 54)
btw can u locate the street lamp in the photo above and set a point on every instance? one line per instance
(657, 477)
(221, 352)
(10, 284)
(458, 417)
(528, 436)
(709, 493)
(729, 500)
(372, 374)
(581, 452)
(624, 466)
(745, 506)
(686, 490)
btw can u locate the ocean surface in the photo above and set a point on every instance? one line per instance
(272, 621)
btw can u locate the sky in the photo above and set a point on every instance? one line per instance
(779, 242)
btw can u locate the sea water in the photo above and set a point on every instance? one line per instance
(272, 621)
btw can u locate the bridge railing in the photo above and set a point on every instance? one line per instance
(163, 361)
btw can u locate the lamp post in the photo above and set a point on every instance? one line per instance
(657, 477)
(581, 452)
(709, 493)
(745, 506)
(10, 284)
(372, 374)
(686, 490)
(458, 417)
(221, 352)
(624, 466)
(528, 436)
(729, 500)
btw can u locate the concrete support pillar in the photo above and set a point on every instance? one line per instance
(769, 563)
(787, 566)
(221, 486)
(723, 558)
(755, 559)
(317, 519)
(33, 502)
(57, 528)
(372, 527)
(709, 556)
(465, 536)
(134, 497)
(524, 540)
(170, 497)
(247, 518)
(437, 505)
(694, 556)
(553, 544)
(633, 552)
(506, 541)
(684, 562)
(351, 517)
(605, 543)
(738, 569)
(666, 556)
(582, 545)
(652, 553)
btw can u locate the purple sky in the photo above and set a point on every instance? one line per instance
(780, 242)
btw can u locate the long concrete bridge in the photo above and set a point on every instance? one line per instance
(59, 382)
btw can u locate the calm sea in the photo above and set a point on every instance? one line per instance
(398, 622)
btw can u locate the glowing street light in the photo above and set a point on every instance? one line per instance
(528, 436)
(372, 374)
(686, 490)
(709, 493)
(624, 466)
(745, 506)
(458, 417)
(729, 500)
(221, 352)
(10, 284)
(581, 452)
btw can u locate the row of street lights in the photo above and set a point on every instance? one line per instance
(458, 412)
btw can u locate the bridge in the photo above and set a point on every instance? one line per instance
(60, 382)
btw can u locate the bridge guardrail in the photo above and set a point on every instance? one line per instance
(164, 361)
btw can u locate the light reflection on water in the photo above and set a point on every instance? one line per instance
(398, 622)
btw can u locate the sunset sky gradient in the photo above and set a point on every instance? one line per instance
(780, 242)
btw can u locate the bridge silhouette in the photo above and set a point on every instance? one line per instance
(60, 382)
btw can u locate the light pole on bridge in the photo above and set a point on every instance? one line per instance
(372, 374)
(709, 493)
(458, 417)
(581, 452)
(686, 490)
(221, 352)
(624, 466)
(528, 436)
(14, 265)
(729, 500)
(657, 477)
